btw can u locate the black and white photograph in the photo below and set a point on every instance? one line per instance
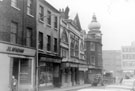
(67, 45)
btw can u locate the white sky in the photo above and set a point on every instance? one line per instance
(117, 18)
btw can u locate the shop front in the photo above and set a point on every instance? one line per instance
(17, 68)
(49, 71)
(82, 73)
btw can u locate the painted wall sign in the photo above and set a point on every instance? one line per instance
(14, 49)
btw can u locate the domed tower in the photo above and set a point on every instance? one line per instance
(94, 29)
(93, 42)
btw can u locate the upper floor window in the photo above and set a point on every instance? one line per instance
(72, 48)
(64, 53)
(64, 36)
(30, 7)
(14, 3)
(92, 46)
(56, 22)
(40, 40)
(41, 13)
(55, 44)
(93, 60)
(13, 32)
(48, 43)
(49, 17)
(76, 50)
(29, 37)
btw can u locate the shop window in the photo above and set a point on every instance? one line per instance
(21, 71)
(46, 74)
(25, 71)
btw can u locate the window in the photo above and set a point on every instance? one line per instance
(93, 60)
(64, 36)
(64, 53)
(29, 37)
(13, 32)
(49, 17)
(92, 46)
(40, 40)
(48, 43)
(76, 50)
(29, 7)
(72, 48)
(14, 3)
(55, 22)
(41, 13)
(55, 44)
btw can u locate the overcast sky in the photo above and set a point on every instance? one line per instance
(117, 18)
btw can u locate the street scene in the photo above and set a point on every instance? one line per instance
(67, 45)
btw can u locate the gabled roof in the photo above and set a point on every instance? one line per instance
(77, 22)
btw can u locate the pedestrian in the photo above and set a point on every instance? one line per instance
(14, 84)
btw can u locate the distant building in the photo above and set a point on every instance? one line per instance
(93, 52)
(112, 62)
(128, 58)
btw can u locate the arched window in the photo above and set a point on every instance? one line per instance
(72, 48)
(76, 50)
(81, 46)
(64, 36)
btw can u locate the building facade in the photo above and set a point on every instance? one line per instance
(17, 45)
(73, 63)
(112, 62)
(93, 43)
(48, 45)
(128, 58)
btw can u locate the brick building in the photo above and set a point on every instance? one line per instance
(17, 44)
(48, 45)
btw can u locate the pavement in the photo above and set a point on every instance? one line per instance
(70, 88)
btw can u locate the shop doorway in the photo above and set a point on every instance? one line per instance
(21, 73)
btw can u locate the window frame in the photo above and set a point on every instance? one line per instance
(30, 7)
(41, 13)
(13, 32)
(49, 17)
(29, 37)
(40, 40)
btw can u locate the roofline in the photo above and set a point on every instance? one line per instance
(50, 6)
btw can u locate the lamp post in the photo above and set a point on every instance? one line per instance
(37, 58)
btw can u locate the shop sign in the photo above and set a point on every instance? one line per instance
(6, 48)
(73, 65)
(14, 49)
(49, 59)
